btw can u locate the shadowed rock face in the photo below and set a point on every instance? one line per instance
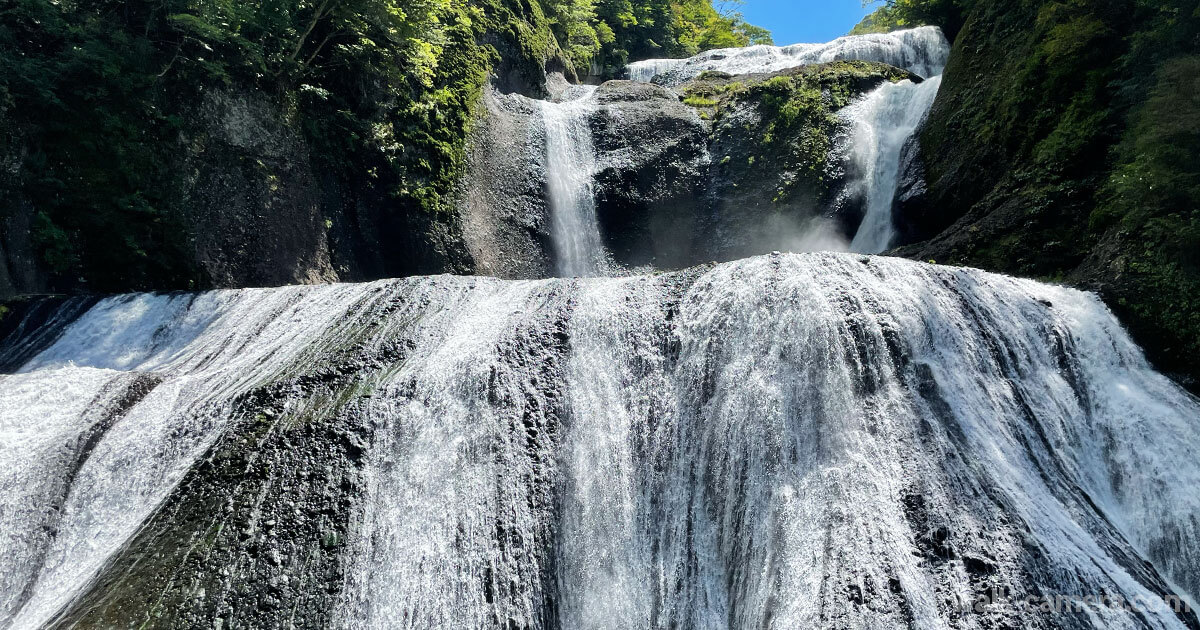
(787, 441)
(253, 200)
(261, 212)
(652, 179)
(1034, 169)
(254, 209)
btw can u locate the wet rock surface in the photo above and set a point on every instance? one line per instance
(652, 174)
(502, 198)
(681, 177)
(826, 440)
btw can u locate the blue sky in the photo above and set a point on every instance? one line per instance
(804, 21)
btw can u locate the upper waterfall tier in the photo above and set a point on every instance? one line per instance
(922, 51)
(786, 441)
(570, 173)
(882, 124)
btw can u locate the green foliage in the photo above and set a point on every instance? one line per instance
(611, 33)
(797, 113)
(578, 29)
(1153, 199)
(1159, 171)
(898, 14)
(76, 87)
(100, 93)
(1073, 130)
(885, 19)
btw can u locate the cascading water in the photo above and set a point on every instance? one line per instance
(570, 168)
(922, 51)
(99, 428)
(882, 123)
(818, 440)
(813, 440)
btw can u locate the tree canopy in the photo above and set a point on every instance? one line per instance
(607, 34)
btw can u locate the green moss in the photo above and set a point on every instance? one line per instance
(98, 99)
(700, 101)
(1151, 202)
(797, 109)
(1071, 127)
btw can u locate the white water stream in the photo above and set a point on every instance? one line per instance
(570, 172)
(788, 441)
(922, 51)
(760, 444)
(882, 123)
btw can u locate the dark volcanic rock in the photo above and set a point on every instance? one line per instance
(253, 203)
(652, 165)
(911, 210)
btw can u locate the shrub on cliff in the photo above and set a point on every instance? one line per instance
(611, 33)
(95, 95)
(897, 14)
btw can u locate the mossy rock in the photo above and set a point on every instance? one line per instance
(786, 119)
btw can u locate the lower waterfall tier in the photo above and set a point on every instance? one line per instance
(787, 441)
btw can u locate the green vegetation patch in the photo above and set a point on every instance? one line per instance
(1069, 127)
(796, 110)
(96, 96)
(608, 34)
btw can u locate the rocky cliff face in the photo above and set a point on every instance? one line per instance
(779, 175)
(653, 174)
(187, 171)
(721, 168)
(250, 197)
(501, 197)
(1057, 148)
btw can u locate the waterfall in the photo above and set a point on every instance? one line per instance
(99, 428)
(922, 51)
(570, 168)
(882, 123)
(763, 443)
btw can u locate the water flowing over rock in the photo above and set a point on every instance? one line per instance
(786, 441)
(570, 171)
(922, 51)
(882, 124)
(669, 184)
(502, 198)
(638, 175)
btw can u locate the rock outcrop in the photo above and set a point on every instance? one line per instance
(188, 163)
(652, 177)
(725, 167)
(1063, 146)
(502, 200)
